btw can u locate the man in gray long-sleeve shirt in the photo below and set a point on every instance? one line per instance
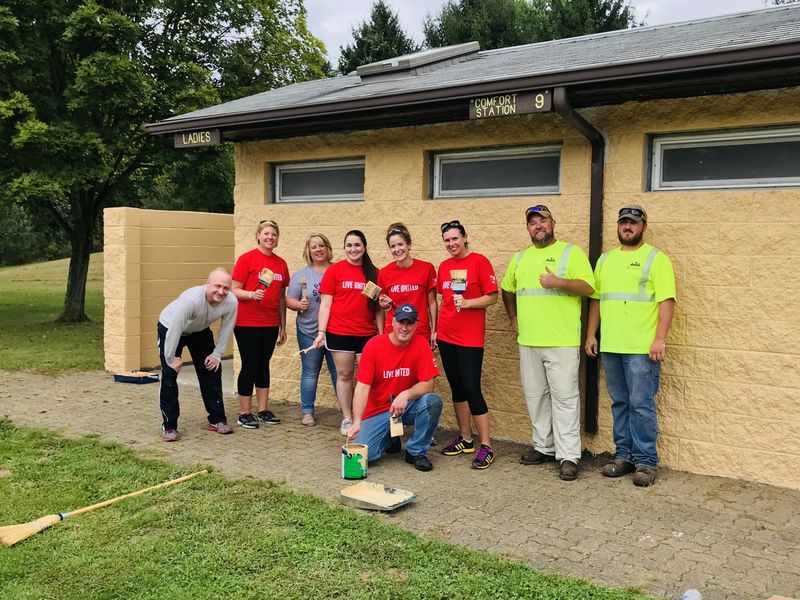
(185, 323)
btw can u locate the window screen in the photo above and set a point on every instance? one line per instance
(320, 181)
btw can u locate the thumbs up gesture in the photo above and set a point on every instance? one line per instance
(548, 279)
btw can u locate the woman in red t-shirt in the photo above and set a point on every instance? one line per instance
(461, 335)
(260, 321)
(408, 280)
(346, 316)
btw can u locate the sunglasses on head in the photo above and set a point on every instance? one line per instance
(450, 224)
(538, 209)
(631, 211)
(268, 222)
(396, 231)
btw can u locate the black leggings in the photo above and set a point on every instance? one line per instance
(256, 345)
(462, 365)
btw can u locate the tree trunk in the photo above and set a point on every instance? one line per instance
(75, 300)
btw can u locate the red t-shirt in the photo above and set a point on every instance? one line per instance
(350, 310)
(267, 312)
(390, 369)
(409, 285)
(467, 327)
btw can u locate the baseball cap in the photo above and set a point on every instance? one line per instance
(405, 312)
(634, 212)
(539, 209)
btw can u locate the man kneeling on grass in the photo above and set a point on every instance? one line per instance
(395, 380)
(185, 323)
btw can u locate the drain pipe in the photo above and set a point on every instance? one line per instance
(562, 107)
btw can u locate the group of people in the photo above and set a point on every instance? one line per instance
(376, 329)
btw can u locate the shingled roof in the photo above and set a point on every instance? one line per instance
(751, 50)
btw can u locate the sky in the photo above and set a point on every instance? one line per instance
(332, 20)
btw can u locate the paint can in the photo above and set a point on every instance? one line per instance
(354, 461)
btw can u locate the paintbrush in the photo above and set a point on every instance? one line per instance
(395, 423)
(304, 350)
(303, 290)
(371, 290)
(265, 278)
(458, 283)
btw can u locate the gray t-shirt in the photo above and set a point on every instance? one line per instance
(190, 312)
(307, 321)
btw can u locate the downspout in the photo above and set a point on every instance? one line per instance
(562, 107)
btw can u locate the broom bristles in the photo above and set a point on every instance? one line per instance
(11, 534)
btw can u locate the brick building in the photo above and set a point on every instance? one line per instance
(699, 122)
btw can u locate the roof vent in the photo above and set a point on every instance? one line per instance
(410, 63)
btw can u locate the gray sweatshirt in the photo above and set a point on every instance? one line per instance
(190, 312)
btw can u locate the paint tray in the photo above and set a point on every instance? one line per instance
(136, 377)
(375, 496)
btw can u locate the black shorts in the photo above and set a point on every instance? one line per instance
(346, 343)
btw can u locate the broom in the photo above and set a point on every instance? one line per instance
(11, 534)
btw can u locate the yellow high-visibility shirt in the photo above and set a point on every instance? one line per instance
(547, 317)
(630, 286)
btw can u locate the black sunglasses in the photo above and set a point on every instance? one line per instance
(450, 224)
(631, 211)
(396, 231)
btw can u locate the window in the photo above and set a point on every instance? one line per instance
(324, 181)
(754, 158)
(501, 172)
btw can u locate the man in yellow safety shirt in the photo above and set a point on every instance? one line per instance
(542, 291)
(634, 301)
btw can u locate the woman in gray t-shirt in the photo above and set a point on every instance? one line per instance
(303, 297)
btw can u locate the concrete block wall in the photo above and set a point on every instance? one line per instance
(730, 399)
(150, 257)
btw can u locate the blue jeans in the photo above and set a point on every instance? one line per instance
(632, 381)
(423, 414)
(311, 366)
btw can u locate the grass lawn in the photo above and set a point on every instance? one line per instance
(215, 537)
(31, 299)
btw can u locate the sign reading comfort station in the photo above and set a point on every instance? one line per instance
(204, 137)
(506, 105)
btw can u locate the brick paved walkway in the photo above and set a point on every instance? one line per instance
(730, 539)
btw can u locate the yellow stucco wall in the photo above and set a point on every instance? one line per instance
(150, 257)
(730, 397)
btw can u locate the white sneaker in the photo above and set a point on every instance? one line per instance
(345, 426)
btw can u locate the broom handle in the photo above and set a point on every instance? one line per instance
(131, 495)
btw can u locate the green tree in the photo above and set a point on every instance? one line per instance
(570, 18)
(380, 38)
(83, 77)
(502, 23)
(492, 23)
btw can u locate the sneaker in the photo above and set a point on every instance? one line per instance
(308, 420)
(248, 421)
(266, 416)
(221, 427)
(394, 447)
(169, 435)
(483, 458)
(618, 468)
(534, 457)
(433, 441)
(421, 462)
(345, 426)
(568, 471)
(459, 446)
(644, 476)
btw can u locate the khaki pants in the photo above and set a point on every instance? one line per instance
(550, 384)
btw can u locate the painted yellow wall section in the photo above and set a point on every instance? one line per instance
(150, 257)
(729, 403)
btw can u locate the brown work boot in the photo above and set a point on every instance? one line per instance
(644, 476)
(534, 457)
(618, 468)
(568, 471)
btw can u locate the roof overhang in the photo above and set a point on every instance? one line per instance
(723, 72)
